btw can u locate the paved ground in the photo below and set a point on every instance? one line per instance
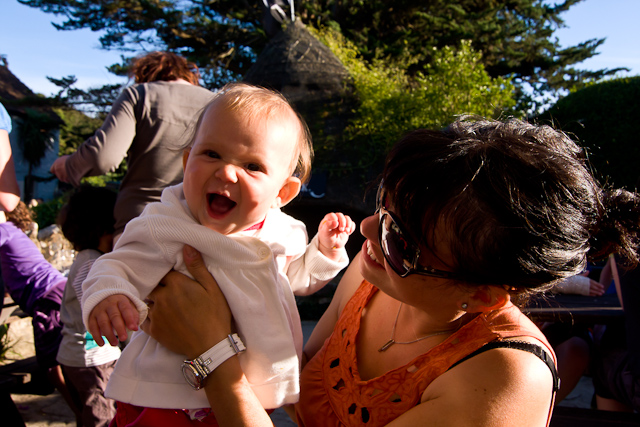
(52, 411)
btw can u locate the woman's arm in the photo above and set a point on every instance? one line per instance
(191, 316)
(9, 189)
(104, 151)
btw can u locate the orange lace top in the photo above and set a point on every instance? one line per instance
(332, 393)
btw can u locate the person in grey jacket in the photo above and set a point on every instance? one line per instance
(147, 125)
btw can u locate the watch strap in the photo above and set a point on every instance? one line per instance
(218, 354)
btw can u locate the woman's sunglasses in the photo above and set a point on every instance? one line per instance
(400, 250)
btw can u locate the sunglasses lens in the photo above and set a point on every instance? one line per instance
(396, 248)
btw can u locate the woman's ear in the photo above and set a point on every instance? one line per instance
(487, 298)
(290, 189)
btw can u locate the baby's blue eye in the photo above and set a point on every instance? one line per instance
(212, 154)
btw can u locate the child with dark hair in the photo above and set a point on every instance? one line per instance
(87, 222)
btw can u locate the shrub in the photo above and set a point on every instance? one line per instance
(390, 103)
(604, 118)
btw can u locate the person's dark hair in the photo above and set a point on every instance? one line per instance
(163, 66)
(87, 216)
(518, 202)
(21, 217)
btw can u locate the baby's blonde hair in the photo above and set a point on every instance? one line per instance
(255, 102)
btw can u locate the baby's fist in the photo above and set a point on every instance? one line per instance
(334, 232)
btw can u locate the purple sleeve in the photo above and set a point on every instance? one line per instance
(27, 275)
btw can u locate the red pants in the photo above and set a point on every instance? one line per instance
(135, 416)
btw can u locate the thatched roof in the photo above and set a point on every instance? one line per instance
(298, 65)
(11, 88)
(17, 97)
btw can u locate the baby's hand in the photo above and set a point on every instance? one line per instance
(333, 234)
(595, 288)
(111, 317)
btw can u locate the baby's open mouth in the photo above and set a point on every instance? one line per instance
(220, 205)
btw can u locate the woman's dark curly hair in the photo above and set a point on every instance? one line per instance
(87, 216)
(518, 202)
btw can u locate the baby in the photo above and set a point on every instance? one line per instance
(248, 157)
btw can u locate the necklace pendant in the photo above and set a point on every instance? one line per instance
(387, 345)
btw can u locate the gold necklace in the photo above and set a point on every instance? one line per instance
(392, 341)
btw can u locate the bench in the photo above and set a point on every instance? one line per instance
(565, 416)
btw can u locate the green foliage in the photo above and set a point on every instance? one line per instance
(390, 102)
(46, 213)
(36, 129)
(109, 179)
(603, 117)
(77, 127)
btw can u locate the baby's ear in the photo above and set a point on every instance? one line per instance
(290, 189)
(185, 157)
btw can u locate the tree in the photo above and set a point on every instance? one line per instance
(603, 118)
(37, 136)
(224, 37)
(515, 37)
(220, 36)
(76, 128)
(96, 101)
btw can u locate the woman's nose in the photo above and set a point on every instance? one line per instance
(369, 227)
(227, 173)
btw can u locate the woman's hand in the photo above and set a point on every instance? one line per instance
(59, 168)
(188, 316)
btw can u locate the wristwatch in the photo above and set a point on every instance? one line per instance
(196, 371)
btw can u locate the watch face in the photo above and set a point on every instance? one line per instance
(191, 375)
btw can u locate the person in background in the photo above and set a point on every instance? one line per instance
(9, 189)
(423, 329)
(147, 125)
(249, 155)
(616, 371)
(573, 343)
(36, 286)
(87, 221)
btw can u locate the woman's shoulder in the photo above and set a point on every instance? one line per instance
(519, 382)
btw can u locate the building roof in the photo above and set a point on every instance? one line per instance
(11, 88)
(17, 97)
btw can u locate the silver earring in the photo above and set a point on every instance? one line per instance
(464, 305)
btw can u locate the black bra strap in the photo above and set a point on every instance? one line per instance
(519, 345)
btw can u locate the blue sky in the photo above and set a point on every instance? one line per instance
(35, 49)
